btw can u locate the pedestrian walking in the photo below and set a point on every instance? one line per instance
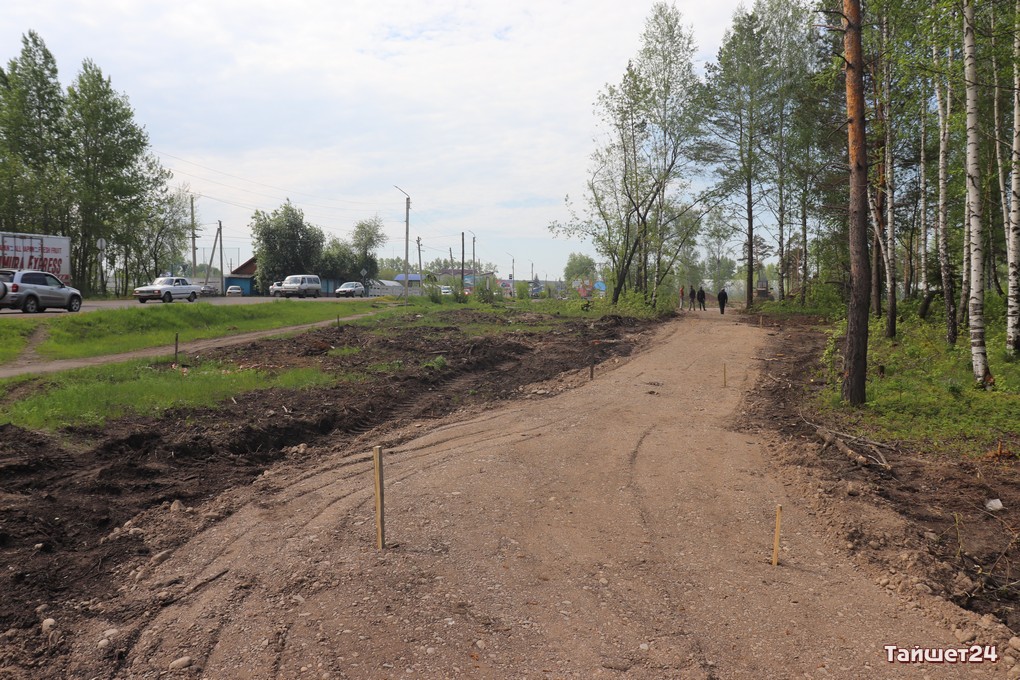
(691, 306)
(723, 297)
(701, 298)
(682, 298)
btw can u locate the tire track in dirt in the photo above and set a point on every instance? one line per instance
(325, 502)
(531, 541)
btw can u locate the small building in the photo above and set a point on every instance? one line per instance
(243, 276)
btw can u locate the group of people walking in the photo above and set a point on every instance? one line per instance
(699, 297)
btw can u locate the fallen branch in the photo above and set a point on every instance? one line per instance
(829, 439)
(833, 439)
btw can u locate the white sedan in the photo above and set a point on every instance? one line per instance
(234, 291)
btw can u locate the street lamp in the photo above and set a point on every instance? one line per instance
(407, 238)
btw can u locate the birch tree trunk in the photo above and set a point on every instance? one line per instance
(1013, 293)
(943, 98)
(923, 190)
(978, 351)
(889, 247)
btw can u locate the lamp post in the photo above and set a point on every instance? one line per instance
(407, 238)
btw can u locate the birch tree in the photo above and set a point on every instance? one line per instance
(1013, 242)
(635, 211)
(978, 351)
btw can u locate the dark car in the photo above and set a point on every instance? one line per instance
(351, 289)
(33, 291)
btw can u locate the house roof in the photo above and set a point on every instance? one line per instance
(246, 268)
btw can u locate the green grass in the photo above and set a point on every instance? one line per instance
(14, 334)
(74, 336)
(928, 395)
(91, 396)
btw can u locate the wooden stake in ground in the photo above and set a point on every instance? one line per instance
(775, 541)
(380, 520)
(177, 337)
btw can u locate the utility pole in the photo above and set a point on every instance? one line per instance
(513, 284)
(462, 260)
(194, 264)
(223, 279)
(421, 274)
(407, 238)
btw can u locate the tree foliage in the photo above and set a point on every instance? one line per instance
(285, 244)
(637, 209)
(77, 164)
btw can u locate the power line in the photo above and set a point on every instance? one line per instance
(286, 192)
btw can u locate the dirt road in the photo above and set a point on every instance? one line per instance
(621, 529)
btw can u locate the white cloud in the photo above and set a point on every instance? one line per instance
(481, 110)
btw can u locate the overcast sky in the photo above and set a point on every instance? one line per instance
(480, 110)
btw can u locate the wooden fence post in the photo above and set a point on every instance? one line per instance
(380, 519)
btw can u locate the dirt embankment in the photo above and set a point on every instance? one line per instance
(540, 523)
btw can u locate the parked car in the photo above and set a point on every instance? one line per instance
(234, 291)
(301, 285)
(276, 289)
(33, 291)
(446, 290)
(351, 289)
(208, 290)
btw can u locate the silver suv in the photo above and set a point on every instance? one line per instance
(33, 291)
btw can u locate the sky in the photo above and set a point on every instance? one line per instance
(482, 111)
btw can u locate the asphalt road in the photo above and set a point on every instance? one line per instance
(93, 305)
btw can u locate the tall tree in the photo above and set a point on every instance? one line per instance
(369, 235)
(787, 53)
(736, 101)
(579, 266)
(109, 166)
(634, 208)
(978, 351)
(285, 244)
(32, 141)
(1013, 249)
(855, 354)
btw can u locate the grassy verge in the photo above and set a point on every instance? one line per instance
(123, 330)
(921, 390)
(90, 396)
(14, 334)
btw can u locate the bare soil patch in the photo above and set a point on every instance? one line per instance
(613, 531)
(948, 542)
(67, 500)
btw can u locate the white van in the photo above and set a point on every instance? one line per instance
(301, 285)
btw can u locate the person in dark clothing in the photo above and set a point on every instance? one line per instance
(722, 301)
(693, 293)
(701, 298)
